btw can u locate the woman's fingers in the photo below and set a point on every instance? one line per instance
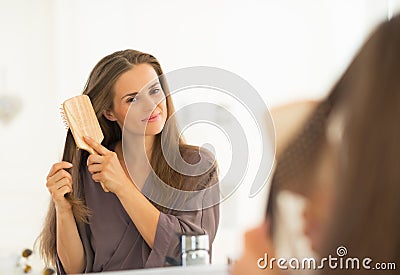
(258, 238)
(97, 177)
(96, 146)
(94, 168)
(56, 186)
(256, 243)
(93, 159)
(59, 175)
(97, 164)
(104, 187)
(61, 192)
(59, 183)
(58, 166)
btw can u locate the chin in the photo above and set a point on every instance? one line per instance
(153, 130)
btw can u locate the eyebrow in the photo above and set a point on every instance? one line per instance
(135, 93)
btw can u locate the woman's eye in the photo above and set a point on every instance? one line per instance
(131, 100)
(155, 91)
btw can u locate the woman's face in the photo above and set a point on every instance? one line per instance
(139, 102)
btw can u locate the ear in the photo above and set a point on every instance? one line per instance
(109, 115)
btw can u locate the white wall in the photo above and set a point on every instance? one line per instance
(287, 49)
(27, 142)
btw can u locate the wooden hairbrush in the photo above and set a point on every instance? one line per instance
(80, 117)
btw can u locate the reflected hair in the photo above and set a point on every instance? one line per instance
(365, 210)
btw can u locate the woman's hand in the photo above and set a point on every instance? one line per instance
(59, 183)
(106, 168)
(257, 242)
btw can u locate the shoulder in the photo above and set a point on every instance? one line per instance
(205, 168)
(194, 155)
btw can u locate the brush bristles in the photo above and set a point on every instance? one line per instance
(64, 119)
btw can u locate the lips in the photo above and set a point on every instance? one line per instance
(151, 118)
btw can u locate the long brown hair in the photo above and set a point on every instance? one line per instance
(367, 206)
(99, 88)
(364, 216)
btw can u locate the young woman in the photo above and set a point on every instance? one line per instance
(98, 219)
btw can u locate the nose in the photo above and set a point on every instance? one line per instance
(149, 103)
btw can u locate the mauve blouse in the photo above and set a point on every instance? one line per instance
(111, 240)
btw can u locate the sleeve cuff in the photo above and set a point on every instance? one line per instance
(162, 241)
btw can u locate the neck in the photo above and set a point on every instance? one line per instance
(136, 149)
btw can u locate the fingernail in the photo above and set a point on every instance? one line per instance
(70, 165)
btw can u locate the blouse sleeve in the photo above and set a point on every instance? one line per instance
(173, 224)
(170, 227)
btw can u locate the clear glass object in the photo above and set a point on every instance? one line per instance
(195, 250)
